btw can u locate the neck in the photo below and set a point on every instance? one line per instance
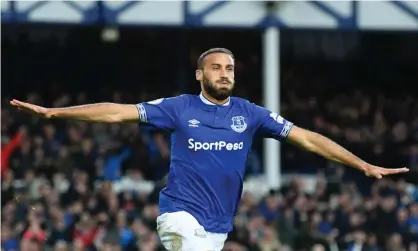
(215, 101)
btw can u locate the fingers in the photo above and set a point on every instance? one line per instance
(13, 102)
(21, 105)
(386, 171)
(18, 103)
(395, 171)
(379, 172)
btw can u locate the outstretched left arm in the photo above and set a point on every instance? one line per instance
(327, 148)
(272, 125)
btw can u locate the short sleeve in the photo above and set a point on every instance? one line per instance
(271, 125)
(161, 113)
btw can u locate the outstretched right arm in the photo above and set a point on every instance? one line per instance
(100, 112)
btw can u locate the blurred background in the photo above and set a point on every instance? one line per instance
(345, 69)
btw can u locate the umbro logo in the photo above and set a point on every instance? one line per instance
(200, 233)
(194, 123)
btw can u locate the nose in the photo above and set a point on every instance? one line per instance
(222, 73)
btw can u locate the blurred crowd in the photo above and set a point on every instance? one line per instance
(57, 186)
(380, 126)
(335, 217)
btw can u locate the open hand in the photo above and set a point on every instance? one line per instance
(30, 108)
(379, 172)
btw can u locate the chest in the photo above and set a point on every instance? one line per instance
(216, 125)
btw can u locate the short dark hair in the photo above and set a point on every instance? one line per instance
(211, 51)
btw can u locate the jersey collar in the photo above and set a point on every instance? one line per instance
(206, 101)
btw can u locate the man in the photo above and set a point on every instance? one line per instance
(211, 136)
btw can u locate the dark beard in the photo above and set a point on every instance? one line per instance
(210, 89)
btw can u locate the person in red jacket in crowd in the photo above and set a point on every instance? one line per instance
(85, 231)
(8, 148)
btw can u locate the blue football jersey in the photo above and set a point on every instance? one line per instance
(209, 150)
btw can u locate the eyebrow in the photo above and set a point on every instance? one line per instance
(229, 65)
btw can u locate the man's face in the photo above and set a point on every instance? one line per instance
(217, 77)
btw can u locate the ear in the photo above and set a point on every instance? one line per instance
(199, 75)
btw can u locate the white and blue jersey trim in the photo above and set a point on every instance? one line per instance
(206, 101)
(286, 129)
(142, 113)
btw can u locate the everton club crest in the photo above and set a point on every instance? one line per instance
(238, 124)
